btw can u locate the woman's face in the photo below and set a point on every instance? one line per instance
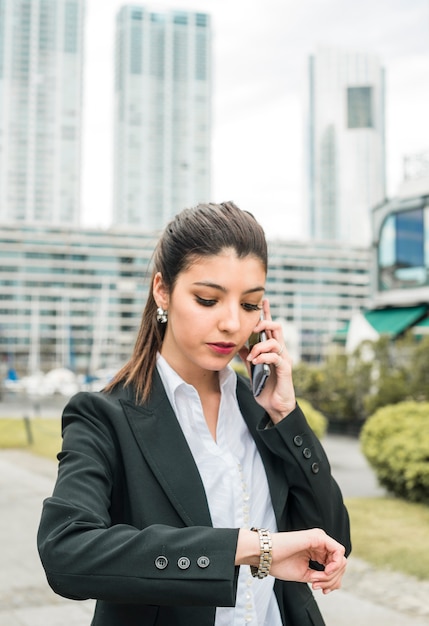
(212, 310)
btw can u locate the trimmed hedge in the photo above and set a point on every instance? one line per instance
(317, 422)
(395, 440)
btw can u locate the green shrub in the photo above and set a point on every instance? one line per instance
(395, 440)
(318, 422)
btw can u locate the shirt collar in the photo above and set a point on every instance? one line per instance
(172, 381)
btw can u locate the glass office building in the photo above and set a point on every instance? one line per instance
(69, 297)
(399, 300)
(346, 144)
(41, 55)
(315, 287)
(401, 246)
(162, 146)
(73, 298)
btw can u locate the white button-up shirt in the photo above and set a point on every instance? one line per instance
(235, 483)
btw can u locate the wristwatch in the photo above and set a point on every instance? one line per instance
(266, 555)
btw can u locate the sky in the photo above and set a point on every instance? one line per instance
(260, 54)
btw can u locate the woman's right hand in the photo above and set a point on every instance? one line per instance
(292, 552)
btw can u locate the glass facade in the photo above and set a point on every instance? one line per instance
(40, 110)
(316, 300)
(346, 144)
(360, 107)
(403, 250)
(83, 288)
(162, 145)
(86, 289)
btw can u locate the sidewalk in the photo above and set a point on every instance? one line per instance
(25, 597)
(368, 596)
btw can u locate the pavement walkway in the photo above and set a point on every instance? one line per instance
(368, 596)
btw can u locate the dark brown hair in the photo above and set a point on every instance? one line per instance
(202, 231)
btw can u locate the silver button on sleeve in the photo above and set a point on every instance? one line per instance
(161, 562)
(203, 561)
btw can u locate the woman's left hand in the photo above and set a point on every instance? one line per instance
(278, 395)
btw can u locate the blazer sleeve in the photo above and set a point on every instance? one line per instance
(85, 555)
(314, 497)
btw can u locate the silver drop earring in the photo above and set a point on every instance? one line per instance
(161, 315)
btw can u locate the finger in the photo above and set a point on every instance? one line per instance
(327, 586)
(268, 347)
(336, 574)
(332, 566)
(329, 582)
(243, 353)
(266, 309)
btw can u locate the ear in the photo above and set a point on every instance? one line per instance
(160, 292)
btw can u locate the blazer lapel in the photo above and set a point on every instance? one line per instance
(165, 448)
(253, 414)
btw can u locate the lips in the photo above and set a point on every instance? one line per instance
(222, 347)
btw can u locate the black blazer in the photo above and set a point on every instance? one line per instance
(129, 503)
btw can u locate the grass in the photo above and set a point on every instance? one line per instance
(391, 533)
(388, 533)
(45, 433)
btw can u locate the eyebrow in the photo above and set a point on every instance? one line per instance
(220, 288)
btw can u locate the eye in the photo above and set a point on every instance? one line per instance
(251, 307)
(204, 301)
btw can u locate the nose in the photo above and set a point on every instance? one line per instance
(230, 319)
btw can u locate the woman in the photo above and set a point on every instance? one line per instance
(181, 499)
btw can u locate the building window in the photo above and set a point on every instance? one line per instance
(360, 107)
(136, 49)
(157, 54)
(201, 19)
(403, 251)
(180, 18)
(157, 17)
(71, 17)
(201, 56)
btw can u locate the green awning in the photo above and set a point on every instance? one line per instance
(424, 322)
(341, 334)
(422, 327)
(394, 321)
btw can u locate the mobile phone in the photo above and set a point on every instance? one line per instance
(258, 373)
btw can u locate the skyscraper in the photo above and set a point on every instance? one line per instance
(162, 115)
(40, 110)
(346, 144)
